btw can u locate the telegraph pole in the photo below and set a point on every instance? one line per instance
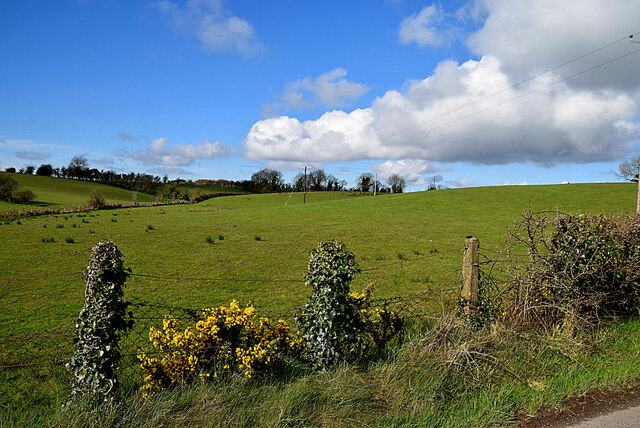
(375, 185)
(304, 198)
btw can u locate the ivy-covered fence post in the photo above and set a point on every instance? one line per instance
(101, 322)
(328, 322)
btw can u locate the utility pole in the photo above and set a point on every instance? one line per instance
(434, 182)
(375, 186)
(304, 198)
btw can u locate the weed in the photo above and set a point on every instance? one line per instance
(69, 240)
(221, 237)
(434, 251)
(74, 225)
(85, 221)
(92, 231)
(401, 256)
(49, 239)
(150, 227)
(18, 222)
(258, 238)
(209, 240)
(113, 220)
(59, 226)
(44, 226)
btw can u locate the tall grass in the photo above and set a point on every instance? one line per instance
(444, 375)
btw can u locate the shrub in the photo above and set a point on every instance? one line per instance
(24, 196)
(580, 267)
(226, 340)
(96, 200)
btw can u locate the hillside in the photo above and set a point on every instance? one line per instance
(258, 237)
(51, 191)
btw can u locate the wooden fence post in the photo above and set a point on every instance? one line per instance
(470, 273)
(638, 208)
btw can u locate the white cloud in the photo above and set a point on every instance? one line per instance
(533, 36)
(419, 28)
(216, 27)
(158, 153)
(556, 125)
(33, 155)
(411, 169)
(330, 89)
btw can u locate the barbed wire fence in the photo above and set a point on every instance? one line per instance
(32, 365)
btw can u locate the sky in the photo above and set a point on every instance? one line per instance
(474, 93)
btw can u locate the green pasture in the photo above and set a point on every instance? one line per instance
(52, 191)
(268, 237)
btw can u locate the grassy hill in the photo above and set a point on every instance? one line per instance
(52, 191)
(258, 237)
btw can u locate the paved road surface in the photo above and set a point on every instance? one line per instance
(624, 418)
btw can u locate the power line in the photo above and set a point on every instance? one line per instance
(387, 137)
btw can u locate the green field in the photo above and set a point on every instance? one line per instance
(264, 239)
(52, 191)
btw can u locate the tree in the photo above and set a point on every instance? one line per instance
(45, 170)
(29, 169)
(397, 183)
(316, 180)
(365, 182)
(8, 185)
(267, 180)
(96, 200)
(11, 169)
(78, 167)
(628, 170)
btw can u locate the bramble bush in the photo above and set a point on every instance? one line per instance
(226, 340)
(581, 267)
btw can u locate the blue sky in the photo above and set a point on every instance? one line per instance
(219, 89)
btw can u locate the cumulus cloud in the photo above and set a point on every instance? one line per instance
(556, 125)
(530, 37)
(125, 136)
(501, 108)
(216, 27)
(330, 89)
(158, 153)
(411, 169)
(33, 155)
(420, 28)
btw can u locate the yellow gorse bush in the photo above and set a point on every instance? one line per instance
(225, 340)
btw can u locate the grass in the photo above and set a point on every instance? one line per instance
(52, 191)
(377, 230)
(445, 375)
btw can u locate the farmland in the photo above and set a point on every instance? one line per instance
(259, 237)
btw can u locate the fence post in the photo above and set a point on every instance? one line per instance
(101, 322)
(470, 273)
(638, 207)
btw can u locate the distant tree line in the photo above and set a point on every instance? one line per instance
(264, 181)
